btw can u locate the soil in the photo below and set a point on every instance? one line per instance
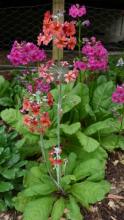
(112, 207)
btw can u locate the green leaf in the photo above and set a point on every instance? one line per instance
(40, 190)
(101, 79)
(106, 126)
(34, 176)
(112, 142)
(92, 169)
(66, 181)
(89, 192)
(71, 163)
(73, 210)
(48, 143)
(70, 129)
(5, 186)
(38, 209)
(10, 173)
(69, 102)
(14, 118)
(84, 107)
(6, 101)
(102, 96)
(4, 86)
(21, 201)
(2, 206)
(89, 144)
(58, 209)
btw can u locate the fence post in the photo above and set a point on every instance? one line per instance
(58, 6)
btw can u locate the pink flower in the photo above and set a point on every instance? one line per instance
(80, 65)
(96, 55)
(118, 95)
(76, 11)
(24, 53)
(71, 75)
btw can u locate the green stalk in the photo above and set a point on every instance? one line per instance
(58, 168)
(47, 167)
(120, 127)
(79, 39)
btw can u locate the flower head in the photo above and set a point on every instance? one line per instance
(76, 11)
(118, 95)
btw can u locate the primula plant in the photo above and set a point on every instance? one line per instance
(69, 117)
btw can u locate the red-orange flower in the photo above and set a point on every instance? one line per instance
(26, 105)
(35, 108)
(27, 120)
(56, 28)
(50, 99)
(71, 43)
(69, 28)
(60, 41)
(45, 120)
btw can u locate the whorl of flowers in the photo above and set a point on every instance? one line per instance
(36, 116)
(48, 73)
(95, 56)
(24, 53)
(76, 11)
(55, 156)
(62, 34)
(118, 95)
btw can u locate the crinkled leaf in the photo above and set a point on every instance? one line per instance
(21, 201)
(102, 96)
(71, 163)
(38, 209)
(6, 101)
(88, 192)
(10, 173)
(40, 189)
(67, 180)
(58, 209)
(34, 176)
(69, 102)
(112, 142)
(92, 169)
(14, 118)
(84, 107)
(2, 206)
(106, 126)
(89, 144)
(4, 86)
(48, 143)
(73, 209)
(70, 129)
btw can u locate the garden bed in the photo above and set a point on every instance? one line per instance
(112, 207)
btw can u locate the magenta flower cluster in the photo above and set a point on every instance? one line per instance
(24, 53)
(118, 95)
(95, 57)
(76, 11)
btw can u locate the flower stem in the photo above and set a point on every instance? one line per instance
(58, 168)
(79, 39)
(120, 127)
(47, 167)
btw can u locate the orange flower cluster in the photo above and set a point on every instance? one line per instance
(34, 119)
(62, 34)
